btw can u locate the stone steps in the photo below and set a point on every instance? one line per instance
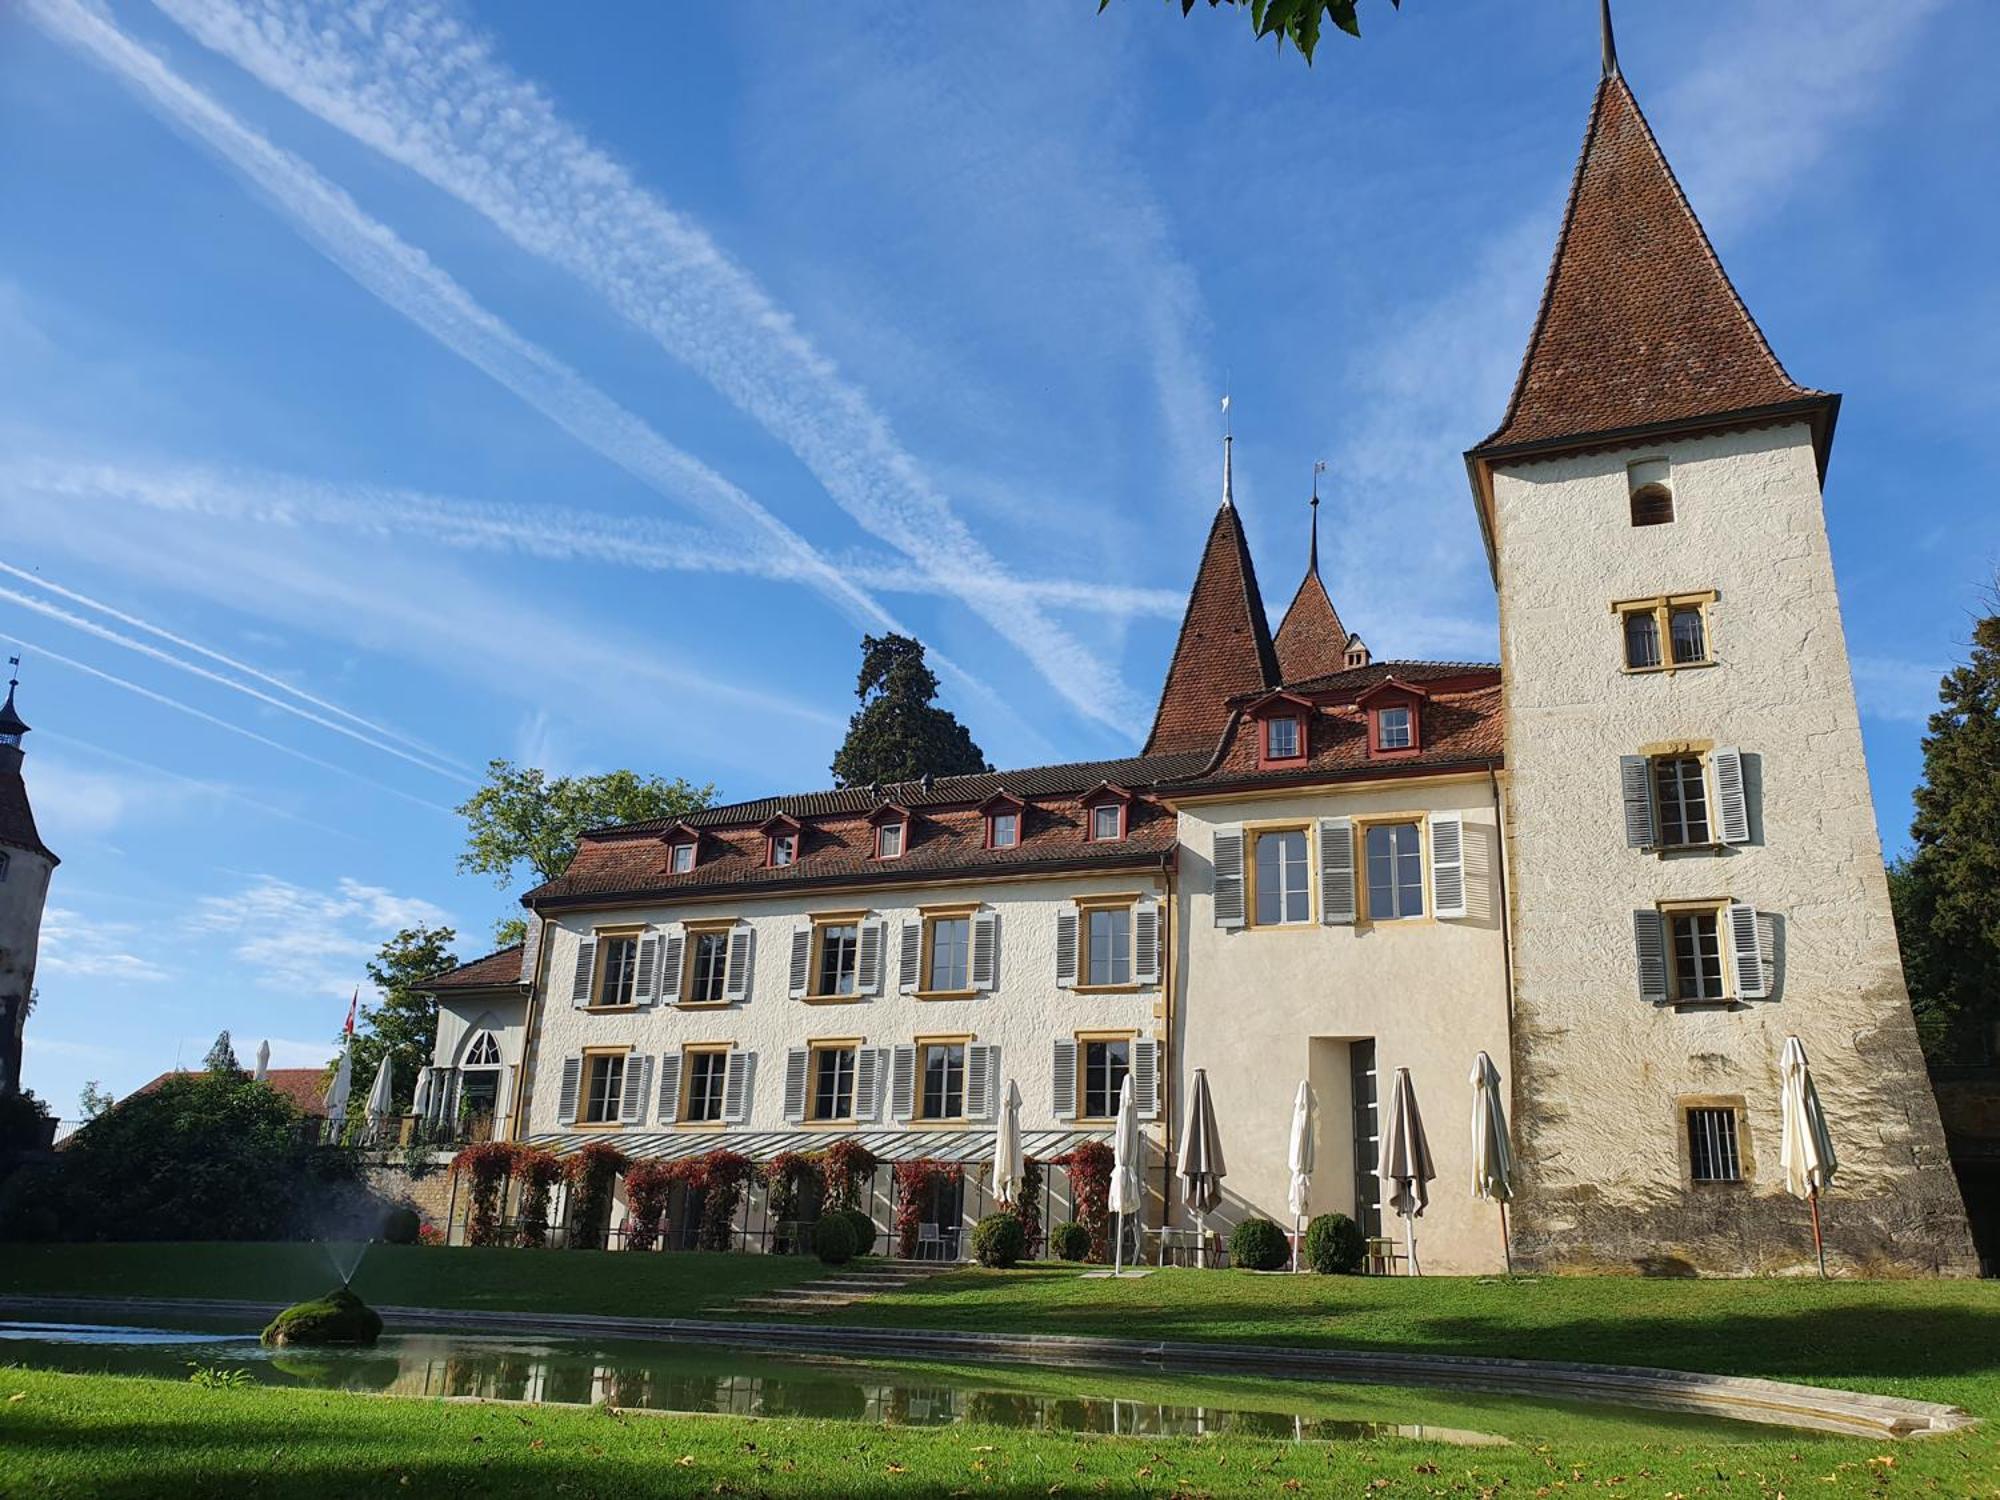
(838, 1289)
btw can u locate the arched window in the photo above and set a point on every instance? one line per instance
(484, 1052)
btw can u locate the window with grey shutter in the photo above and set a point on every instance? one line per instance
(1748, 953)
(910, 957)
(736, 1083)
(1649, 940)
(802, 946)
(1336, 871)
(1062, 1080)
(531, 949)
(1635, 786)
(638, 1084)
(572, 1079)
(1066, 948)
(982, 1080)
(986, 950)
(868, 962)
(1732, 806)
(1447, 865)
(742, 961)
(868, 1063)
(902, 1082)
(586, 963)
(646, 980)
(1226, 856)
(1146, 942)
(670, 1088)
(673, 954)
(796, 1059)
(1145, 1077)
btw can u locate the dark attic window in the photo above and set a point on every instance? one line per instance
(1652, 495)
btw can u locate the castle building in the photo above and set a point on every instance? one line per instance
(1626, 863)
(26, 864)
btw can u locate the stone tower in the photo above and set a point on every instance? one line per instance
(1694, 868)
(25, 866)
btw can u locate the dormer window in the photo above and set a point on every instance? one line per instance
(889, 840)
(1107, 822)
(681, 860)
(1394, 729)
(784, 849)
(1281, 739)
(783, 840)
(1003, 829)
(1395, 718)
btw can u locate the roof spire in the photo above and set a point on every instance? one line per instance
(1312, 553)
(1610, 41)
(1228, 442)
(12, 725)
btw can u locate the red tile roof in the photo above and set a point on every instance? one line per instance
(1639, 324)
(494, 971)
(305, 1087)
(1311, 640)
(1224, 647)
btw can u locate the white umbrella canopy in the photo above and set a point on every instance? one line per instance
(1805, 1151)
(420, 1097)
(1492, 1156)
(1299, 1155)
(1009, 1167)
(1125, 1185)
(1201, 1166)
(342, 1086)
(1407, 1168)
(263, 1062)
(382, 1096)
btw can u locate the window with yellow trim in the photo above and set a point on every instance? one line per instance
(603, 1088)
(1281, 866)
(705, 1070)
(616, 982)
(941, 1081)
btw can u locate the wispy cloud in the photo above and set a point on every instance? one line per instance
(405, 279)
(69, 799)
(1900, 691)
(427, 92)
(79, 947)
(292, 937)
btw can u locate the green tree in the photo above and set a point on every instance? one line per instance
(94, 1100)
(524, 816)
(222, 1055)
(899, 733)
(1947, 890)
(1294, 22)
(403, 1027)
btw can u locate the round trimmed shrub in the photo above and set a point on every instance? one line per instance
(833, 1240)
(998, 1241)
(1334, 1245)
(1258, 1245)
(1069, 1241)
(400, 1225)
(864, 1230)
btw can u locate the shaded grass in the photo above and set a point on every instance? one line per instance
(115, 1436)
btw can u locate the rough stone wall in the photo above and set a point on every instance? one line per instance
(430, 1195)
(1599, 1075)
(22, 894)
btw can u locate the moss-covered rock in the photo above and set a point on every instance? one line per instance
(339, 1317)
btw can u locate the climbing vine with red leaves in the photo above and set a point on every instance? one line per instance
(1089, 1169)
(537, 1171)
(794, 1189)
(720, 1176)
(914, 1180)
(1027, 1204)
(592, 1173)
(647, 1186)
(485, 1166)
(849, 1166)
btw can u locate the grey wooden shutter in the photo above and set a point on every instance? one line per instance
(1635, 783)
(531, 949)
(673, 963)
(1649, 939)
(802, 942)
(1747, 952)
(1336, 871)
(737, 978)
(796, 1059)
(572, 1078)
(903, 1082)
(638, 1084)
(1146, 942)
(982, 1078)
(868, 1063)
(1062, 1080)
(1145, 1077)
(1066, 938)
(1447, 865)
(868, 958)
(444, 1084)
(986, 950)
(1732, 807)
(586, 964)
(647, 977)
(670, 1088)
(910, 957)
(736, 1081)
(1226, 856)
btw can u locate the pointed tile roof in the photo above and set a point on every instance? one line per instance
(1224, 647)
(1311, 640)
(1639, 323)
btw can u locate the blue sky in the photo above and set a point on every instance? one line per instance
(385, 389)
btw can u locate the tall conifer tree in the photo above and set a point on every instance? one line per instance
(899, 733)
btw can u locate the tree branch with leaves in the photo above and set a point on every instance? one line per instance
(1297, 23)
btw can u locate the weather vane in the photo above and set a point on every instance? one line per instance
(1319, 468)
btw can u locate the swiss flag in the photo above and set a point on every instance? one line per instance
(348, 1029)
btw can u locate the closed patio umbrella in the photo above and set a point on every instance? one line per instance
(1125, 1188)
(1299, 1157)
(1492, 1157)
(1805, 1152)
(382, 1097)
(420, 1097)
(1201, 1168)
(1008, 1166)
(1407, 1169)
(263, 1063)
(342, 1086)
